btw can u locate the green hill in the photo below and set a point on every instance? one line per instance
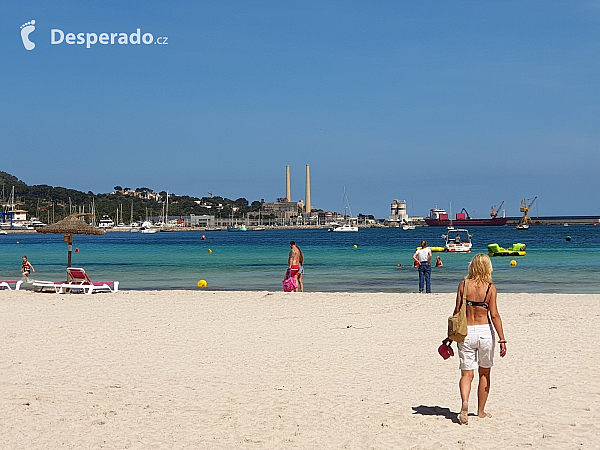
(50, 203)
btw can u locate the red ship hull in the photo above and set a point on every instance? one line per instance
(496, 221)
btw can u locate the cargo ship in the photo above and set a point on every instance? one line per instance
(440, 218)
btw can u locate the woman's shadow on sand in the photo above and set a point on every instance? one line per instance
(436, 411)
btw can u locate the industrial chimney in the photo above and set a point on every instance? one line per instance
(288, 190)
(308, 207)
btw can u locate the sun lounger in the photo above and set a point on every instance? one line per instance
(5, 284)
(41, 286)
(79, 280)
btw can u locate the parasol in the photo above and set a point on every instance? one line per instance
(69, 226)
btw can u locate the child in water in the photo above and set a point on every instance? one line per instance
(26, 268)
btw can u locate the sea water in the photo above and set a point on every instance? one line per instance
(257, 260)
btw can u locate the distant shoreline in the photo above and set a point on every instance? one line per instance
(554, 221)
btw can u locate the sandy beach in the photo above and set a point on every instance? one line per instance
(218, 370)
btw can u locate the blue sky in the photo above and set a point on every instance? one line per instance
(433, 102)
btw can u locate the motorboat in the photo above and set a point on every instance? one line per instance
(3, 231)
(408, 227)
(458, 240)
(343, 228)
(36, 223)
(147, 228)
(106, 222)
(237, 227)
(522, 226)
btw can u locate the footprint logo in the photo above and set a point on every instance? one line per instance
(26, 30)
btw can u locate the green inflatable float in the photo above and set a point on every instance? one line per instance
(516, 250)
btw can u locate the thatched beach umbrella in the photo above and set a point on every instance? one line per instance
(69, 226)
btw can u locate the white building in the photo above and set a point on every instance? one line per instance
(398, 212)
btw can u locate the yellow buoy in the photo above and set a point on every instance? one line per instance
(202, 283)
(513, 263)
(209, 250)
(355, 246)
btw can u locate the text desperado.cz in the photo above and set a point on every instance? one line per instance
(58, 36)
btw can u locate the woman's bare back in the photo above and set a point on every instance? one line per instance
(478, 292)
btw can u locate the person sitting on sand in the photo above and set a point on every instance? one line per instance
(438, 262)
(477, 350)
(26, 269)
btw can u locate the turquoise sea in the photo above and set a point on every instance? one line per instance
(256, 260)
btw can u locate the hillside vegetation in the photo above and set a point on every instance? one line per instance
(50, 203)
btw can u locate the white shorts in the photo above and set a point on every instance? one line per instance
(477, 350)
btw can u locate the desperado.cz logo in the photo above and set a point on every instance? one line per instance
(26, 29)
(58, 36)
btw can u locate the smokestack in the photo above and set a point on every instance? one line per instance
(307, 192)
(288, 190)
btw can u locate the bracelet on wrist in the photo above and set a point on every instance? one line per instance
(502, 341)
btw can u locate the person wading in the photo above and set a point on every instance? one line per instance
(423, 258)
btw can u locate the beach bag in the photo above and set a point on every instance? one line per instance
(290, 283)
(457, 324)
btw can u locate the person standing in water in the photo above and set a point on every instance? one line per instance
(294, 260)
(477, 350)
(423, 258)
(26, 268)
(301, 270)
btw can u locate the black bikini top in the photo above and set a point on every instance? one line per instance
(483, 304)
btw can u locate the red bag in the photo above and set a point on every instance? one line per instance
(445, 350)
(290, 283)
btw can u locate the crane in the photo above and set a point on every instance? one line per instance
(497, 210)
(526, 220)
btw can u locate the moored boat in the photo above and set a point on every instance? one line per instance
(459, 242)
(343, 228)
(237, 227)
(440, 218)
(106, 222)
(347, 226)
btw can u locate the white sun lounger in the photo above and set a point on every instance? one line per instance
(5, 284)
(41, 286)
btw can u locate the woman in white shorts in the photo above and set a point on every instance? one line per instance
(477, 350)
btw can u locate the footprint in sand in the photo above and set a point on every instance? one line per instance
(26, 29)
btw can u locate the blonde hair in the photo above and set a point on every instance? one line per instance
(480, 269)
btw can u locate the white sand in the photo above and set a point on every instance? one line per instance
(198, 369)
